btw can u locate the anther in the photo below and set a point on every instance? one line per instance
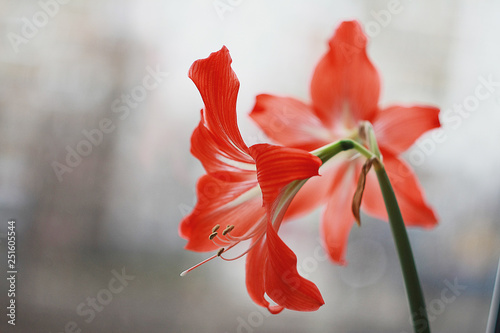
(212, 235)
(216, 227)
(228, 229)
(220, 251)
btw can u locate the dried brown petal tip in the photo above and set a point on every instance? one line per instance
(358, 195)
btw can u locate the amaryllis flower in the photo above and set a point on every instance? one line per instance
(345, 92)
(246, 190)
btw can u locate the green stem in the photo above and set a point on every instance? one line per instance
(332, 149)
(412, 283)
(372, 140)
(410, 276)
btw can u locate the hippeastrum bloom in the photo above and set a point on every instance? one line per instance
(246, 189)
(345, 92)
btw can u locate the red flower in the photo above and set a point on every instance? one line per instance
(248, 189)
(345, 91)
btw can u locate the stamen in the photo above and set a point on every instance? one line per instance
(222, 243)
(228, 239)
(248, 250)
(198, 265)
(223, 240)
(228, 229)
(250, 234)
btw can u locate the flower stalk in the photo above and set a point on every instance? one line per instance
(408, 267)
(412, 283)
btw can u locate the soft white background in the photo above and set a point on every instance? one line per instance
(120, 207)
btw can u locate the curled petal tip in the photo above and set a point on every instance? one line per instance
(275, 309)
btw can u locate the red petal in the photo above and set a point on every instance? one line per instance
(345, 86)
(279, 166)
(255, 275)
(398, 127)
(283, 283)
(271, 268)
(409, 193)
(276, 168)
(206, 148)
(338, 219)
(218, 86)
(290, 122)
(221, 202)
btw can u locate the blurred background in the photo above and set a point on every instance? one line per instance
(96, 114)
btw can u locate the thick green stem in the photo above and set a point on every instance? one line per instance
(412, 283)
(410, 276)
